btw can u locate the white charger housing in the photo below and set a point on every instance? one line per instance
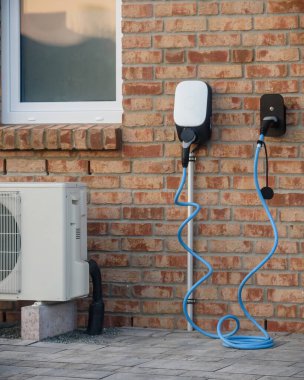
(191, 101)
(192, 111)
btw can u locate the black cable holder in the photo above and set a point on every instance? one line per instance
(191, 301)
(266, 191)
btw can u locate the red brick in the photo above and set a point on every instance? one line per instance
(175, 9)
(146, 26)
(174, 41)
(129, 229)
(155, 167)
(144, 244)
(141, 57)
(277, 279)
(296, 264)
(131, 42)
(265, 38)
(240, 199)
(95, 138)
(276, 22)
(292, 215)
(126, 306)
(242, 55)
(137, 135)
(162, 307)
(152, 291)
(111, 259)
(103, 243)
(162, 276)
(220, 214)
(140, 10)
(234, 246)
(267, 70)
(283, 326)
(248, 214)
(274, 86)
(294, 183)
(122, 275)
(258, 230)
(185, 25)
(286, 295)
(141, 182)
(227, 103)
(23, 137)
(222, 150)
(281, 151)
(297, 69)
(137, 104)
(142, 73)
(241, 7)
(142, 119)
(25, 166)
(174, 56)
(296, 38)
(208, 56)
(52, 137)
(149, 150)
(219, 229)
(143, 213)
(219, 71)
(37, 135)
(68, 166)
(208, 8)
(96, 213)
(232, 87)
(230, 23)
(181, 72)
(153, 322)
(153, 198)
(109, 166)
(8, 138)
(281, 6)
(214, 40)
(281, 54)
(117, 197)
(149, 88)
(286, 311)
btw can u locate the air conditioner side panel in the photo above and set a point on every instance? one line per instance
(43, 218)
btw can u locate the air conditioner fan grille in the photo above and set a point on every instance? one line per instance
(10, 241)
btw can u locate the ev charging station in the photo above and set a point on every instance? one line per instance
(192, 117)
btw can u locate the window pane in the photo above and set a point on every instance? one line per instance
(68, 50)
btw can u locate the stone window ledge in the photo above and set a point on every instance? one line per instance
(60, 137)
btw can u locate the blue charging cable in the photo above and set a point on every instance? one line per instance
(242, 342)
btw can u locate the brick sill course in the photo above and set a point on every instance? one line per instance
(60, 137)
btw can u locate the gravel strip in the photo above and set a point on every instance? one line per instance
(76, 336)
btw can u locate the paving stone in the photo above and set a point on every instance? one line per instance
(186, 364)
(147, 354)
(260, 369)
(220, 376)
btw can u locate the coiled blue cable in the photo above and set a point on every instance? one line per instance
(242, 342)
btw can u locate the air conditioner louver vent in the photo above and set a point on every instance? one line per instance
(77, 233)
(10, 242)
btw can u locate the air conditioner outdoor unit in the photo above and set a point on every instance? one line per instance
(43, 241)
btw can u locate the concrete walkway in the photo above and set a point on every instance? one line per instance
(135, 354)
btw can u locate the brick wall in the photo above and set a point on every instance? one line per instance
(243, 49)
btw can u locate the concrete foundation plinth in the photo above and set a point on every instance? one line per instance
(43, 320)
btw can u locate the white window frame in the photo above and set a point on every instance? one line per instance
(16, 112)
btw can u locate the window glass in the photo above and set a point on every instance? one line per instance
(67, 50)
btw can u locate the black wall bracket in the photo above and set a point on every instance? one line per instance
(272, 105)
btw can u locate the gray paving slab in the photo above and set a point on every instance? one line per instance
(254, 369)
(147, 354)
